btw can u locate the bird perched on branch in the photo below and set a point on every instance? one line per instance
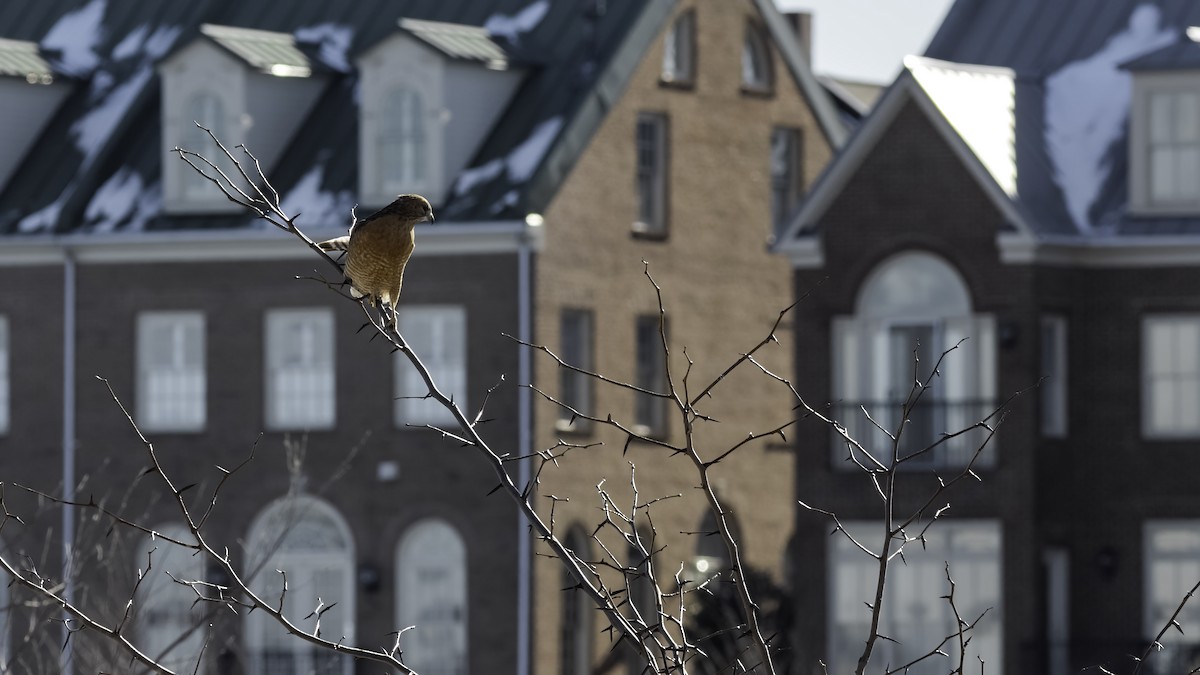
(378, 247)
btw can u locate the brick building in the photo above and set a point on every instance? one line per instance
(560, 143)
(1027, 184)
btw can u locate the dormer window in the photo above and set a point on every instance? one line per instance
(679, 51)
(206, 110)
(1174, 147)
(1164, 129)
(250, 87)
(403, 155)
(756, 61)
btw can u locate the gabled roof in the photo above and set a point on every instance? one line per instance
(947, 94)
(99, 163)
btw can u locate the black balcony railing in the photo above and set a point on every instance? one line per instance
(936, 434)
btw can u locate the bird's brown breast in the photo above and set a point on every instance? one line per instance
(379, 250)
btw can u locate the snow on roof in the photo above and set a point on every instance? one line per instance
(980, 103)
(333, 41)
(73, 38)
(1086, 108)
(315, 207)
(111, 103)
(521, 162)
(511, 27)
(123, 202)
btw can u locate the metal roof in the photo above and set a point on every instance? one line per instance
(266, 51)
(456, 41)
(105, 138)
(19, 58)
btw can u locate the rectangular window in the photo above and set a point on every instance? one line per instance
(1171, 568)
(650, 412)
(5, 387)
(575, 389)
(915, 614)
(1054, 370)
(1171, 376)
(170, 371)
(786, 177)
(651, 149)
(300, 369)
(876, 364)
(438, 335)
(1174, 146)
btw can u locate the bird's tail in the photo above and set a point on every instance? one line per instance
(336, 244)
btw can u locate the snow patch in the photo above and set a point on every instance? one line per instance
(333, 41)
(112, 103)
(520, 163)
(511, 27)
(123, 201)
(525, 157)
(75, 36)
(1087, 104)
(313, 206)
(42, 220)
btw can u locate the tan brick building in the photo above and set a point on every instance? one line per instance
(721, 288)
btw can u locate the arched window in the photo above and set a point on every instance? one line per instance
(309, 541)
(756, 60)
(402, 152)
(431, 594)
(679, 50)
(575, 619)
(206, 110)
(913, 308)
(170, 624)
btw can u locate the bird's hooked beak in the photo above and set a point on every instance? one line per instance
(429, 217)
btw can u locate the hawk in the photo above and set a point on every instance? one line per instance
(378, 247)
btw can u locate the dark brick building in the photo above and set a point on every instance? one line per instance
(1031, 184)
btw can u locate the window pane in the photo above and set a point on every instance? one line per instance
(650, 148)
(1171, 368)
(432, 595)
(308, 539)
(650, 411)
(1187, 117)
(300, 369)
(1187, 167)
(576, 388)
(1162, 173)
(170, 624)
(1172, 554)
(438, 335)
(1160, 117)
(171, 377)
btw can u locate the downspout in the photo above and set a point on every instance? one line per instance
(525, 435)
(68, 445)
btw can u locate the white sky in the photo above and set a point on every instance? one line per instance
(865, 40)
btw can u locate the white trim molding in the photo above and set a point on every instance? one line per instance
(490, 238)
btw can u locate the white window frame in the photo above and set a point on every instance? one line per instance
(651, 170)
(1171, 566)
(679, 50)
(974, 550)
(432, 595)
(1053, 394)
(1174, 382)
(577, 336)
(169, 623)
(404, 141)
(787, 176)
(309, 540)
(300, 396)
(441, 344)
(965, 388)
(650, 373)
(1147, 141)
(172, 397)
(756, 61)
(5, 376)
